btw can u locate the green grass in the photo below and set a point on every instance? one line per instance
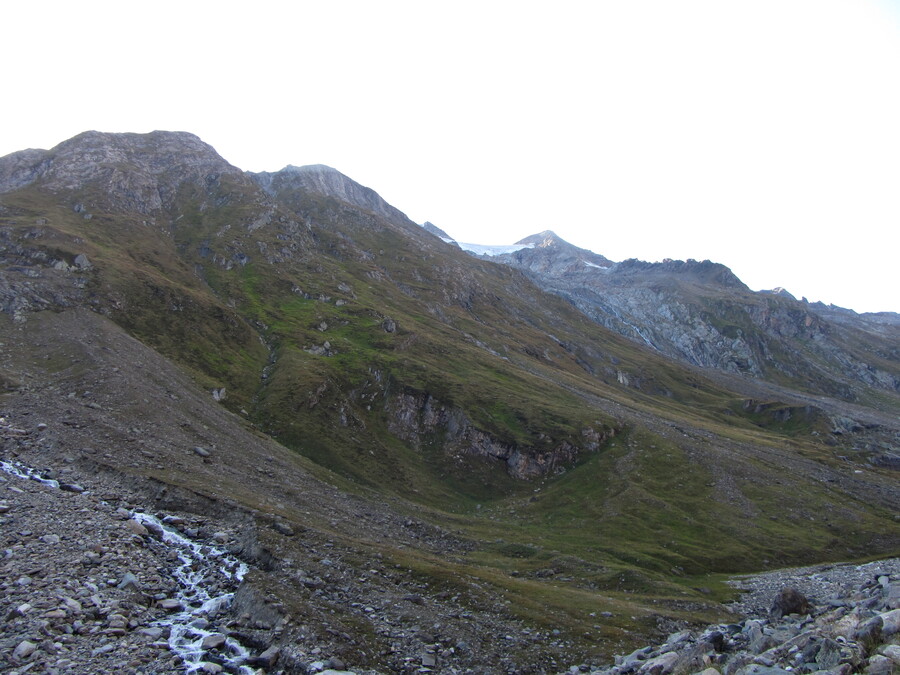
(642, 525)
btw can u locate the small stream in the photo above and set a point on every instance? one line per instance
(207, 577)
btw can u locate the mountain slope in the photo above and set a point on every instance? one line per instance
(581, 469)
(702, 313)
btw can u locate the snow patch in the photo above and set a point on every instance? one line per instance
(599, 267)
(479, 249)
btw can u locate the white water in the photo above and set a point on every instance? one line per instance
(204, 575)
(207, 577)
(27, 473)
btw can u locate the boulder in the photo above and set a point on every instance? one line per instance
(890, 622)
(790, 601)
(869, 634)
(828, 655)
(266, 659)
(660, 665)
(214, 641)
(879, 665)
(757, 669)
(283, 528)
(893, 653)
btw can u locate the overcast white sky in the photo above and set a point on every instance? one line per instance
(762, 134)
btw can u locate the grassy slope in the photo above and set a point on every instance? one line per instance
(647, 514)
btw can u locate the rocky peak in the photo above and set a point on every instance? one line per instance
(140, 171)
(544, 239)
(331, 183)
(547, 254)
(705, 271)
(780, 292)
(435, 230)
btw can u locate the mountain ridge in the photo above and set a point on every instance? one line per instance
(677, 308)
(328, 181)
(568, 470)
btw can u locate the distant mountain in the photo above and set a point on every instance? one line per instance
(438, 232)
(702, 313)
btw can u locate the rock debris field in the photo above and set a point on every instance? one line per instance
(90, 583)
(834, 619)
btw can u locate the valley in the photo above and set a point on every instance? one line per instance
(426, 459)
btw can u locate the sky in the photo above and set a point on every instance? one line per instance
(761, 134)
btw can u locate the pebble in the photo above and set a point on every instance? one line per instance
(129, 581)
(23, 650)
(136, 527)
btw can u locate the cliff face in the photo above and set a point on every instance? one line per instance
(419, 419)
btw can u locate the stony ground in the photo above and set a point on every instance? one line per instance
(81, 589)
(834, 619)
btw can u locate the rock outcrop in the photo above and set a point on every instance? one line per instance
(418, 418)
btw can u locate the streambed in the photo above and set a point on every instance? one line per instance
(206, 578)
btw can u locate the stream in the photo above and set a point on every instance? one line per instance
(207, 577)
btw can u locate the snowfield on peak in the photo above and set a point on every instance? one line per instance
(480, 249)
(599, 267)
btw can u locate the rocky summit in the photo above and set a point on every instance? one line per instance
(262, 423)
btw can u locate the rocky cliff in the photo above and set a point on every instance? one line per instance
(702, 313)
